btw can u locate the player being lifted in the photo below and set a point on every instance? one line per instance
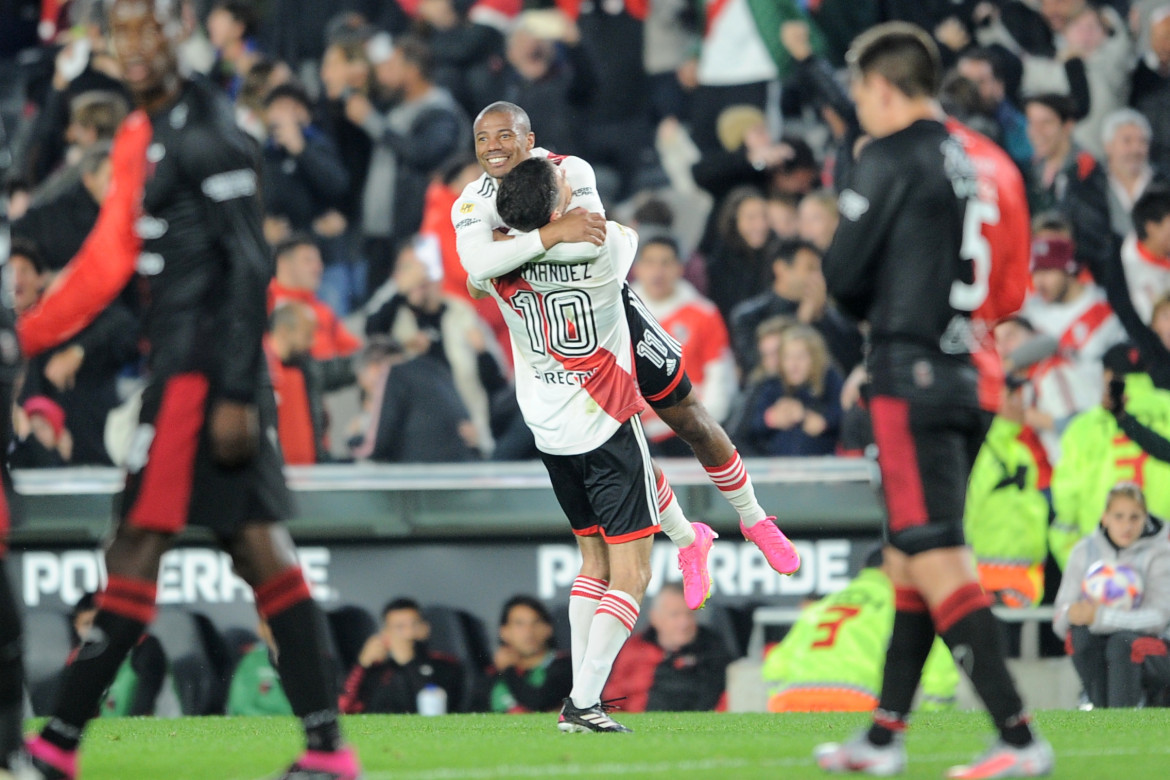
(911, 257)
(576, 389)
(184, 211)
(503, 139)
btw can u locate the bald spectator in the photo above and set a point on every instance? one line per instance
(675, 665)
(300, 414)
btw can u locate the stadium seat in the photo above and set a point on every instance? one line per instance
(458, 633)
(48, 640)
(351, 626)
(198, 659)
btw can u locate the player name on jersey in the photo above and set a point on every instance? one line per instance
(559, 274)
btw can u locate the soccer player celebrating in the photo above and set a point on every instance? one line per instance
(910, 257)
(576, 389)
(183, 211)
(504, 138)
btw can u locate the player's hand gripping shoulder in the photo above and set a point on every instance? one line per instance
(576, 227)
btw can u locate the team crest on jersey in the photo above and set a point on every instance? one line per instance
(467, 208)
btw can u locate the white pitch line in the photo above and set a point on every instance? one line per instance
(662, 767)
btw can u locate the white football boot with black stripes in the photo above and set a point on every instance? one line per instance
(595, 718)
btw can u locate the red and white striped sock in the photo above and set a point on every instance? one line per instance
(670, 516)
(736, 486)
(612, 625)
(583, 600)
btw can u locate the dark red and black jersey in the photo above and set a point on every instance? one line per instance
(910, 257)
(184, 213)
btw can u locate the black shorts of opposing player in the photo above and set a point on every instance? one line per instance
(925, 452)
(609, 490)
(658, 357)
(173, 480)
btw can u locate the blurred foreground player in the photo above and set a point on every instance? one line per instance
(183, 211)
(910, 256)
(576, 389)
(11, 660)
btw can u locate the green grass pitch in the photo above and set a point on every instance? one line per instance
(1102, 745)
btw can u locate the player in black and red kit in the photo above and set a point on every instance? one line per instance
(11, 660)
(183, 211)
(911, 257)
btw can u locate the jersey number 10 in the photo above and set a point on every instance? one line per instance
(559, 323)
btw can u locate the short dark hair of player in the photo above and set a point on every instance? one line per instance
(665, 241)
(21, 246)
(534, 604)
(901, 53)
(786, 251)
(528, 195)
(401, 605)
(1152, 206)
(519, 116)
(416, 52)
(1062, 105)
(290, 91)
(294, 240)
(243, 12)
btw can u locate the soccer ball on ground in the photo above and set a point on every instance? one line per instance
(1112, 585)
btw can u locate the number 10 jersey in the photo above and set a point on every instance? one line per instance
(570, 342)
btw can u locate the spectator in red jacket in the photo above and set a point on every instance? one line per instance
(675, 665)
(298, 274)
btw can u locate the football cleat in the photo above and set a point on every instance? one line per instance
(861, 756)
(779, 552)
(49, 762)
(318, 765)
(575, 719)
(692, 561)
(1003, 760)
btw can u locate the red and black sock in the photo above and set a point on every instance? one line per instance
(11, 672)
(304, 657)
(909, 646)
(965, 623)
(125, 608)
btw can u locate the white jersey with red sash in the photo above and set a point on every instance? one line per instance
(1146, 275)
(571, 344)
(1072, 380)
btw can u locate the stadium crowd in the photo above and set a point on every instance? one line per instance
(721, 132)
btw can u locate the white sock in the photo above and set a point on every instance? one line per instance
(736, 486)
(670, 516)
(612, 624)
(583, 600)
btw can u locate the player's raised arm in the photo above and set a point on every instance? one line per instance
(226, 171)
(867, 208)
(106, 261)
